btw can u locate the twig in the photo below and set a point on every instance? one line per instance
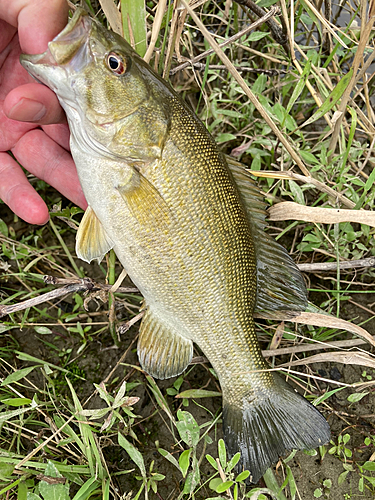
(332, 266)
(70, 286)
(270, 72)
(230, 40)
(276, 30)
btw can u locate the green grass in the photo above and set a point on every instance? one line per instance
(71, 423)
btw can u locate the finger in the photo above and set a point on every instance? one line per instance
(46, 159)
(38, 22)
(17, 193)
(59, 133)
(35, 103)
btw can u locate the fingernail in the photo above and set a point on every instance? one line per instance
(27, 110)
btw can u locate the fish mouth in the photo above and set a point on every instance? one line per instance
(63, 49)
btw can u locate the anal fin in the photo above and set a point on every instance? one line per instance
(162, 351)
(92, 241)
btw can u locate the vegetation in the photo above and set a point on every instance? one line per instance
(79, 419)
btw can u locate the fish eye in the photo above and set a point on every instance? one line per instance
(116, 63)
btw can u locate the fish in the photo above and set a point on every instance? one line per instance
(188, 225)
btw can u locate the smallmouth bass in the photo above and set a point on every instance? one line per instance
(188, 227)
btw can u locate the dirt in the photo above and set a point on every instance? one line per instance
(311, 474)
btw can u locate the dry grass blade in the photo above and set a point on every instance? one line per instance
(113, 15)
(156, 25)
(347, 358)
(326, 321)
(306, 180)
(281, 137)
(358, 59)
(44, 443)
(316, 346)
(230, 40)
(288, 210)
(325, 23)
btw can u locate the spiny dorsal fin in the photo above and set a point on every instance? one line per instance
(162, 352)
(92, 241)
(280, 285)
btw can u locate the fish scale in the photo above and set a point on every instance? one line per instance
(188, 227)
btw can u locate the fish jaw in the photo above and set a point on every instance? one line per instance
(66, 55)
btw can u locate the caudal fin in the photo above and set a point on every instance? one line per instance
(264, 426)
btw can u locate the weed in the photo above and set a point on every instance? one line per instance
(64, 437)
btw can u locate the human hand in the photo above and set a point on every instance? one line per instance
(27, 27)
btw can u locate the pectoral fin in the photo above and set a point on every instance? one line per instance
(162, 352)
(92, 241)
(144, 200)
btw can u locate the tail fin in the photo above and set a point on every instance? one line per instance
(265, 426)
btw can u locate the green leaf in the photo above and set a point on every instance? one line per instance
(169, 457)
(214, 483)
(291, 482)
(369, 466)
(6, 471)
(42, 330)
(184, 461)
(133, 12)
(32, 496)
(224, 486)
(297, 192)
(243, 475)
(133, 453)
(309, 157)
(370, 181)
(198, 393)
(361, 484)
(225, 137)
(233, 462)
(318, 493)
(300, 86)
(16, 401)
(53, 491)
(4, 228)
(346, 438)
(188, 428)
(256, 35)
(212, 461)
(357, 396)
(14, 377)
(193, 477)
(7, 415)
(86, 489)
(342, 477)
(370, 480)
(326, 395)
(331, 100)
(22, 491)
(222, 453)
(157, 477)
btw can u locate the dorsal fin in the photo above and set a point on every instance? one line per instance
(280, 285)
